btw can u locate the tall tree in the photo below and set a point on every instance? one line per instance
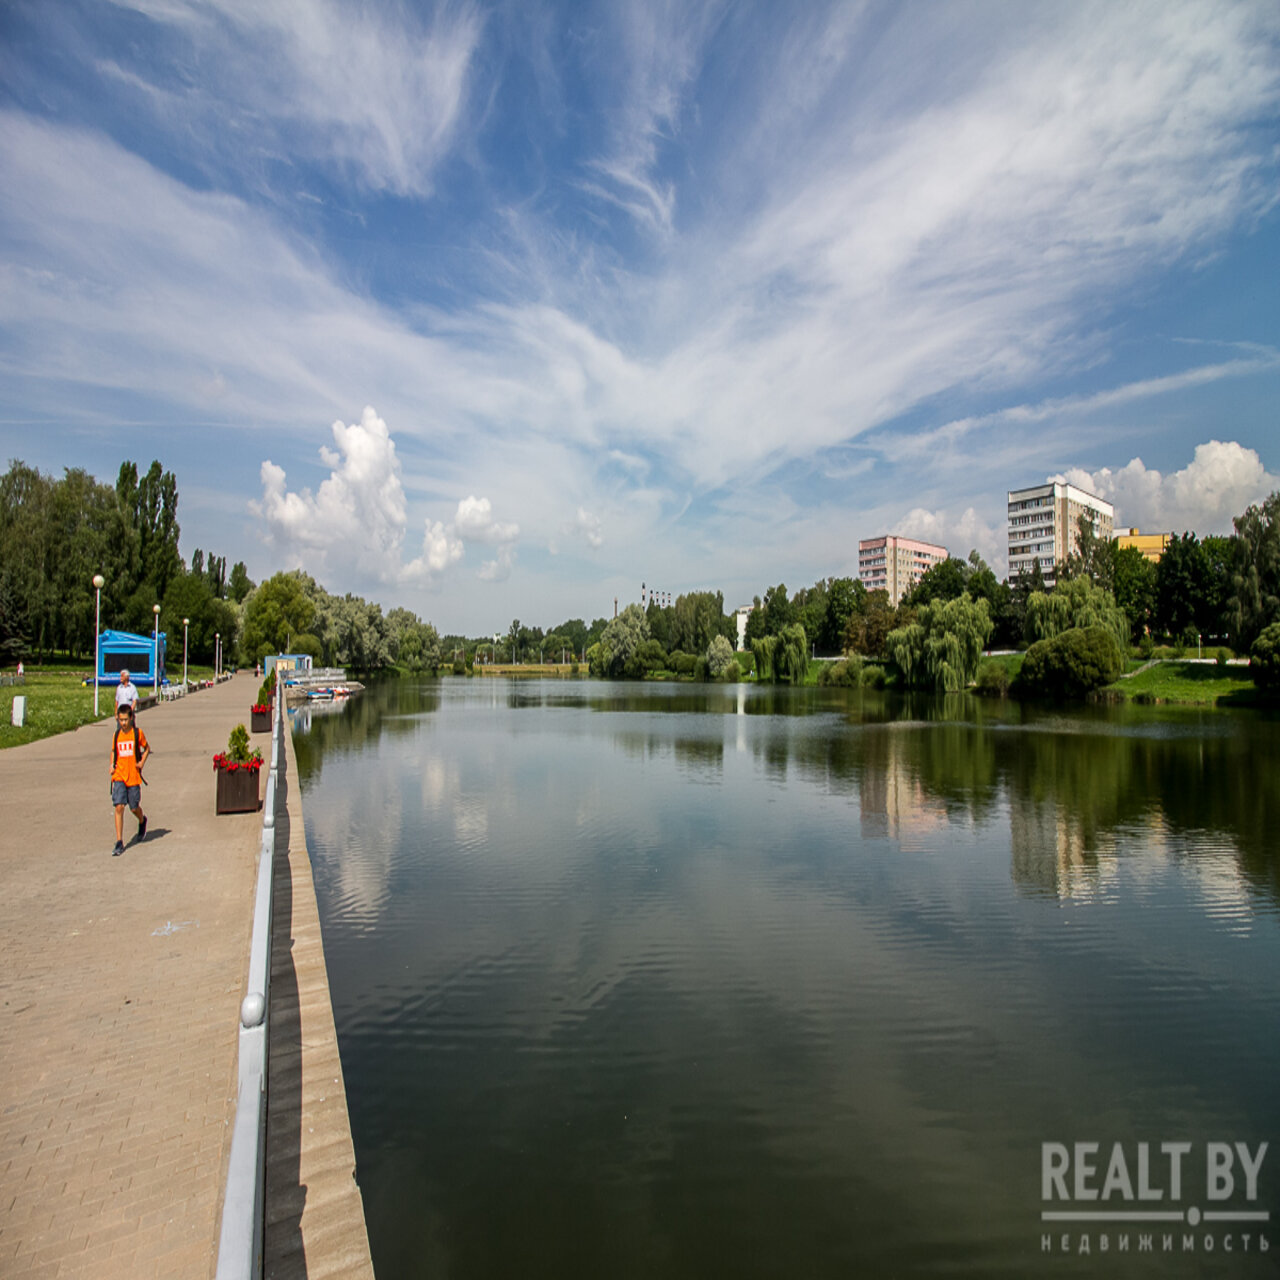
(1254, 602)
(1182, 581)
(845, 597)
(240, 584)
(945, 580)
(274, 614)
(1135, 588)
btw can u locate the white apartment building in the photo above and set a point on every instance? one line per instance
(1044, 525)
(894, 564)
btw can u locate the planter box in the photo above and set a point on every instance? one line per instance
(261, 721)
(237, 791)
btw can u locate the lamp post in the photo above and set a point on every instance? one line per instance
(98, 583)
(185, 622)
(155, 653)
(217, 655)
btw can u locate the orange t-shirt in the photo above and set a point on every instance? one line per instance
(124, 765)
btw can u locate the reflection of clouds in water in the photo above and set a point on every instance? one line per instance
(834, 974)
(355, 813)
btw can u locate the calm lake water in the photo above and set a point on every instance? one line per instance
(693, 981)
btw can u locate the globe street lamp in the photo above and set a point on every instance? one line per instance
(98, 583)
(185, 621)
(155, 654)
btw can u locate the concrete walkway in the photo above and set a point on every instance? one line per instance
(120, 982)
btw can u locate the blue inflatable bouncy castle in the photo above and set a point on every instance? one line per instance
(120, 649)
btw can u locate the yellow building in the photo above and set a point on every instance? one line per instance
(1151, 545)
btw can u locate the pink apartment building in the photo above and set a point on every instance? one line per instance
(894, 564)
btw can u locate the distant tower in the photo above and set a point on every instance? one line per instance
(615, 606)
(642, 599)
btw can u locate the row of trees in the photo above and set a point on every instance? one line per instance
(56, 534)
(292, 613)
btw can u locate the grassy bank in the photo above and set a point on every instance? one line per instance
(58, 700)
(1193, 683)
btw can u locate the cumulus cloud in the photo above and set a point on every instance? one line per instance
(959, 532)
(474, 522)
(357, 514)
(499, 568)
(1220, 481)
(356, 520)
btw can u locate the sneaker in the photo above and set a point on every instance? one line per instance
(142, 830)
(118, 850)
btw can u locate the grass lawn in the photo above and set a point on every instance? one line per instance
(58, 700)
(1188, 682)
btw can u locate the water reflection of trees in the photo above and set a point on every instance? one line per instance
(387, 707)
(1073, 782)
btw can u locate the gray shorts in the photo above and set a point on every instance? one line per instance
(120, 794)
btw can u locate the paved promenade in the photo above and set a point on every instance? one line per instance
(120, 982)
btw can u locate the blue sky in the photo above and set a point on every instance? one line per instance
(499, 310)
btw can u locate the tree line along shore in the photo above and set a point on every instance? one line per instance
(1108, 609)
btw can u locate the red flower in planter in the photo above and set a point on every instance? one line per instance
(224, 762)
(259, 710)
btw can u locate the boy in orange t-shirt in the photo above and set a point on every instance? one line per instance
(129, 752)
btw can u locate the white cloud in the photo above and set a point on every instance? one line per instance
(356, 520)
(474, 522)
(499, 568)
(960, 532)
(440, 549)
(365, 89)
(659, 47)
(356, 517)
(1221, 480)
(586, 526)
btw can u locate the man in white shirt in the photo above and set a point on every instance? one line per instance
(126, 691)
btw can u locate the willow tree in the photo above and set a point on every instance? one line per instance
(942, 648)
(1077, 603)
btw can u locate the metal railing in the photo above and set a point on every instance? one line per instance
(243, 1206)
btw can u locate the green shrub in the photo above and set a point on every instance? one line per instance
(459, 665)
(1264, 659)
(845, 674)
(720, 658)
(681, 663)
(1146, 647)
(238, 747)
(1071, 664)
(873, 676)
(1224, 656)
(1189, 636)
(993, 680)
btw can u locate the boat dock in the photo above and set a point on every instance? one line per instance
(121, 980)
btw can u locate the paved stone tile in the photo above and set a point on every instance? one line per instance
(120, 982)
(120, 985)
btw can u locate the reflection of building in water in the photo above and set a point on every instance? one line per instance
(891, 798)
(1049, 851)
